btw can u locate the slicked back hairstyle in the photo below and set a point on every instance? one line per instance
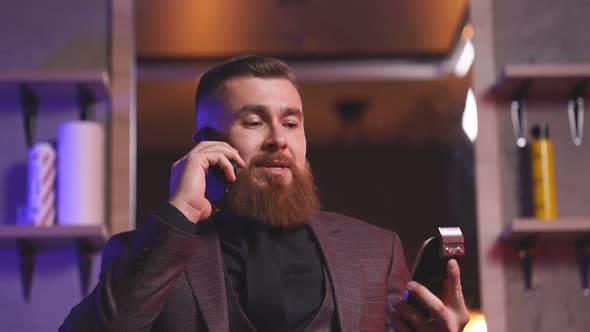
(212, 81)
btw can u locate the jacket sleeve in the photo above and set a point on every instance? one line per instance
(398, 277)
(138, 269)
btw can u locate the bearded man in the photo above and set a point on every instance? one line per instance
(269, 259)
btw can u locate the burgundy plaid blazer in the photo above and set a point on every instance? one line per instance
(159, 278)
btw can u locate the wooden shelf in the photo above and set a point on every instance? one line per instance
(547, 80)
(55, 85)
(562, 228)
(30, 240)
(525, 232)
(53, 237)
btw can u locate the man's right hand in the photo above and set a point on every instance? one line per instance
(187, 179)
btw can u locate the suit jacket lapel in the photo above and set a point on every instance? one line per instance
(207, 279)
(343, 270)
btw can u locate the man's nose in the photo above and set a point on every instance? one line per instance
(276, 140)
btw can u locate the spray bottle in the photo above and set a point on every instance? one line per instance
(545, 201)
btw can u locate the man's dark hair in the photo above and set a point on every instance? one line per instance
(212, 81)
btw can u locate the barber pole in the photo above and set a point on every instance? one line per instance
(41, 195)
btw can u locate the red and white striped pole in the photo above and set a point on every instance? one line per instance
(41, 195)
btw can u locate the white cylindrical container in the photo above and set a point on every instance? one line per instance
(41, 185)
(81, 173)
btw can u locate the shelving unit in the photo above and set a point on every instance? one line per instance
(524, 233)
(56, 84)
(546, 80)
(86, 87)
(29, 240)
(569, 82)
(29, 87)
(44, 238)
(507, 87)
(56, 57)
(566, 229)
(518, 82)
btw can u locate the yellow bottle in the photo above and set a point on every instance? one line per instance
(545, 201)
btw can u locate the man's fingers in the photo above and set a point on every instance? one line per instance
(399, 324)
(411, 316)
(235, 156)
(187, 179)
(452, 291)
(227, 167)
(448, 313)
(209, 149)
(431, 302)
(453, 294)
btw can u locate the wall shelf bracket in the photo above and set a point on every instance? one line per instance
(85, 253)
(26, 253)
(85, 102)
(30, 105)
(582, 252)
(525, 250)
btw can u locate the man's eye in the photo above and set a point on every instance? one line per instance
(252, 123)
(291, 125)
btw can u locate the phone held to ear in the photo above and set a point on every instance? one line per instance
(216, 183)
(430, 267)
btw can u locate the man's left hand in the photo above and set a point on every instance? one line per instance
(447, 314)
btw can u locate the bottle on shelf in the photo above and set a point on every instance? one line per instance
(543, 171)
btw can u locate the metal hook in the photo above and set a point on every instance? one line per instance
(575, 111)
(518, 113)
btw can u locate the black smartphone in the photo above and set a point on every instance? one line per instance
(430, 267)
(217, 185)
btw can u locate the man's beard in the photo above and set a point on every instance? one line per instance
(265, 199)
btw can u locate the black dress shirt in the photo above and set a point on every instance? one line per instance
(300, 261)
